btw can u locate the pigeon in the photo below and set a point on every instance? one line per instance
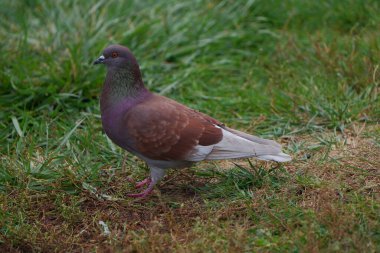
(162, 132)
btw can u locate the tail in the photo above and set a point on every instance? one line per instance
(237, 144)
(280, 157)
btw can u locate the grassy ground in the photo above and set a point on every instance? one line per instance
(305, 73)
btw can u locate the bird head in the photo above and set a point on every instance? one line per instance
(117, 56)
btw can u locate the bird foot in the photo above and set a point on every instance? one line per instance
(141, 183)
(144, 182)
(155, 176)
(142, 194)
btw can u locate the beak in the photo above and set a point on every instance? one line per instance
(99, 60)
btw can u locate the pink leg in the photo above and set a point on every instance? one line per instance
(144, 182)
(155, 175)
(139, 184)
(142, 194)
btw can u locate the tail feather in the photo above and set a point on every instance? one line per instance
(281, 157)
(253, 138)
(236, 144)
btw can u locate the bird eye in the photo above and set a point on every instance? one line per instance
(114, 55)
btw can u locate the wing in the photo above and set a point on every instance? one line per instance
(162, 129)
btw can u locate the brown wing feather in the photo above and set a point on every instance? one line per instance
(163, 129)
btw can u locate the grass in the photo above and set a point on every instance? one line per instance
(305, 73)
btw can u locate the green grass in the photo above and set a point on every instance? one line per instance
(305, 73)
